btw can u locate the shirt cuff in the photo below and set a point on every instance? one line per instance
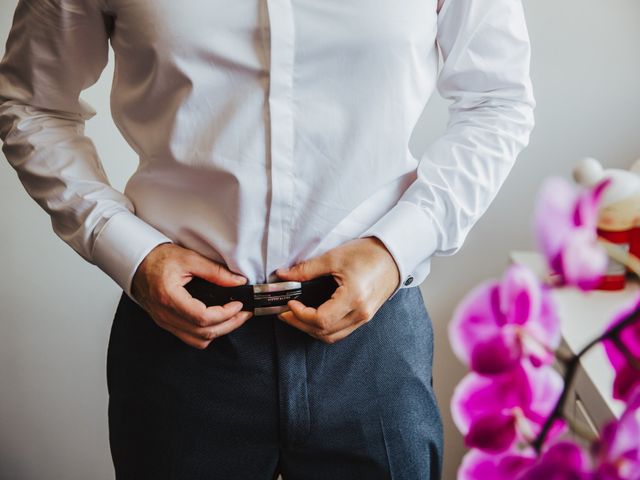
(121, 245)
(410, 235)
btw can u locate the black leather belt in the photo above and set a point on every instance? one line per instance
(265, 298)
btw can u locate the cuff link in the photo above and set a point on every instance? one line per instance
(408, 280)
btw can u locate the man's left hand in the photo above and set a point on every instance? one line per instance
(366, 274)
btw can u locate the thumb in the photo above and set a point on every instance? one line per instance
(214, 272)
(306, 269)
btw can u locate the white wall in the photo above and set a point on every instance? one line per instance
(57, 309)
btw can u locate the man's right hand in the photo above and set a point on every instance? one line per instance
(158, 286)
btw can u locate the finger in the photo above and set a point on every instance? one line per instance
(324, 326)
(308, 269)
(210, 332)
(232, 324)
(337, 307)
(345, 332)
(215, 272)
(303, 312)
(194, 310)
(291, 319)
(329, 316)
(306, 318)
(351, 323)
(186, 337)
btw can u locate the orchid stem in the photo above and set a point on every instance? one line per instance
(563, 355)
(570, 373)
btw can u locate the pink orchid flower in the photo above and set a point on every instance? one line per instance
(625, 353)
(565, 221)
(564, 460)
(561, 461)
(617, 452)
(499, 323)
(479, 465)
(495, 413)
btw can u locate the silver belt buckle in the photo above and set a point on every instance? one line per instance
(272, 298)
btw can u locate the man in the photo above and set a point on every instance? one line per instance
(271, 134)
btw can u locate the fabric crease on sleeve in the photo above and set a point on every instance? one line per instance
(485, 73)
(54, 51)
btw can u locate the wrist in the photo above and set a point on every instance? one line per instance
(390, 260)
(145, 264)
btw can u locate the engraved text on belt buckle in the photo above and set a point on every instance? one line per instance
(272, 298)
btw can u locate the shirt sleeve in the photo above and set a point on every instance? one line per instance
(55, 50)
(485, 73)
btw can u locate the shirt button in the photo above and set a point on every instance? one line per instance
(408, 280)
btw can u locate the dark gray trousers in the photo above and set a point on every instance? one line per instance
(268, 399)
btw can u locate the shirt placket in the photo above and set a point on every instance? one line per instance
(281, 209)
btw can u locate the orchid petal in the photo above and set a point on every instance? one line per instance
(477, 395)
(546, 327)
(498, 354)
(625, 381)
(586, 210)
(552, 218)
(547, 385)
(565, 221)
(627, 375)
(584, 261)
(478, 465)
(562, 461)
(520, 294)
(618, 451)
(492, 433)
(474, 320)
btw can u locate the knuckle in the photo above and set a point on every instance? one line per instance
(209, 335)
(200, 321)
(330, 340)
(317, 332)
(320, 334)
(365, 314)
(359, 300)
(327, 332)
(323, 325)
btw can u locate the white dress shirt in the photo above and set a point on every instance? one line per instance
(268, 132)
